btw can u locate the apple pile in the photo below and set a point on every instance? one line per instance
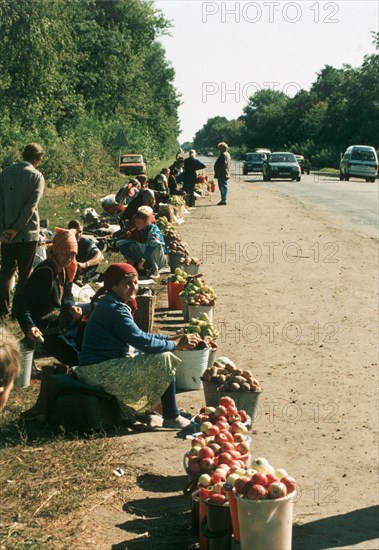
(221, 445)
(230, 378)
(262, 482)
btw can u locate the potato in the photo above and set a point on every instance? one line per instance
(247, 374)
(221, 370)
(207, 376)
(245, 386)
(255, 381)
(214, 378)
(230, 368)
(238, 372)
(222, 378)
(234, 386)
(239, 379)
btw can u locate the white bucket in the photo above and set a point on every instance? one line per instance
(191, 269)
(26, 363)
(192, 367)
(184, 303)
(194, 311)
(266, 523)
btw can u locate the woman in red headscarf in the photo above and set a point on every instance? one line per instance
(106, 360)
(45, 306)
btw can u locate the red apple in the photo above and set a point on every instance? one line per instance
(221, 438)
(220, 411)
(217, 477)
(225, 458)
(255, 492)
(200, 418)
(227, 402)
(222, 425)
(277, 490)
(205, 452)
(259, 479)
(213, 431)
(227, 446)
(193, 451)
(241, 483)
(229, 436)
(205, 427)
(206, 465)
(217, 498)
(290, 483)
(243, 415)
(222, 419)
(215, 447)
(235, 454)
(270, 478)
(198, 441)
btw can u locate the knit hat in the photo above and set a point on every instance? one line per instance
(115, 273)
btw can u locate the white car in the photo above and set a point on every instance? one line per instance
(359, 161)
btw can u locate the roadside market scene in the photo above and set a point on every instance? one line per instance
(189, 344)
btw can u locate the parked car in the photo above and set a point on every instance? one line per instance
(281, 165)
(305, 165)
(132, 165)
(359, 161)
(253, 163)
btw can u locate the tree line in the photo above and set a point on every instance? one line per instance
(341, 108)
(73, 73)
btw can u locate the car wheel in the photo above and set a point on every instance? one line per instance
(372, 180)
(347, 177)
(298, 178)
(244, 173)
(308, 172)
(368, 180)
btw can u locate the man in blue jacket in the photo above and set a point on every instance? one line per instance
(145, 249)
(191, 165)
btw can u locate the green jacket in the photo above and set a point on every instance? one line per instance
(21, 188)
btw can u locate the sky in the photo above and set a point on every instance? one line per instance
(225, 51)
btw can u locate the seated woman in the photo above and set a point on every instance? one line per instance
(137, 382)
(45, 303)
(144, 246)
(88, 257)
(144, 198)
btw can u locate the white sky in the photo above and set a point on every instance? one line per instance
(280, 42)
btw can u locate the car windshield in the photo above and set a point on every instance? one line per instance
(254, 156)
(282, 158)
(362, 154)
(132, 158)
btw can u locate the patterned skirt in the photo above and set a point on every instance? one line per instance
(136, 382)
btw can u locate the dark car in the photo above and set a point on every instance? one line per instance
(281, 165)
(305, 165)
(132, 165)
(253, 163)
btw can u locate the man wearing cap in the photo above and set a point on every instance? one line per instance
(21, 188)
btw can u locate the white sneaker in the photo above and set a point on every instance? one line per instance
(177, 423)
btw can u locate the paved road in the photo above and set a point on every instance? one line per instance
(355, 200)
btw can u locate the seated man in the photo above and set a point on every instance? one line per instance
(88, 256)
(145, 247)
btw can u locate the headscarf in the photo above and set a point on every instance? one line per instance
(64, 240)
(113, 275)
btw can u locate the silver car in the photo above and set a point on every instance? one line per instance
(359, 161)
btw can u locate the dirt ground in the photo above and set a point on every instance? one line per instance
(297, 304)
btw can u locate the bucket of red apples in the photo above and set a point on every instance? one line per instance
(222, 442)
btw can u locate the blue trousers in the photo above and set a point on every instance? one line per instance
(169, 406)
(223, 186)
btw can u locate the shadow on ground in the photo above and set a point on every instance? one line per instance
(156, 520)
(336, 531)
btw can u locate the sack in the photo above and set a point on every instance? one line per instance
(79, 407)
(80, 413)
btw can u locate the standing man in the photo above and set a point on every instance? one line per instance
(191, 165)
(222, 171)
(21, 188)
